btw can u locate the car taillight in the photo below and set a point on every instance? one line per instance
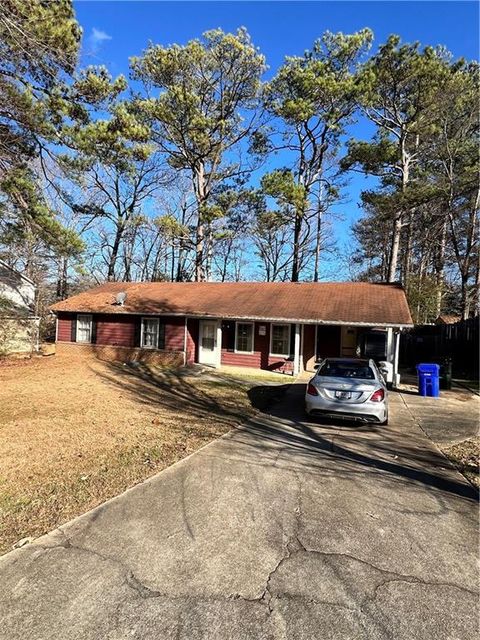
(378, 395)
(311, 390)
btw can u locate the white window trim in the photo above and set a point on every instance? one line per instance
(89, 317)
(252, 324)
(280, 324)
(157, 320)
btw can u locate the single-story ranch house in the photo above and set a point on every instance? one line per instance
(281, 326)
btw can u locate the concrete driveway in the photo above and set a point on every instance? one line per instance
(451, 418)
(282, 529)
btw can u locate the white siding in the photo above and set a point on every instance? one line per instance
(16, 289)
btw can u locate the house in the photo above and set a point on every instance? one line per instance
(447, 319)
(281, 326)
(19, 325)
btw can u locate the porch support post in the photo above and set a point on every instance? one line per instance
(302, 338)
(390, 345)
(219, 344)
(396, 357)
(296, 358)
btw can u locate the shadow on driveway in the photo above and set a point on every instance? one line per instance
(400, 449)
(393, 449)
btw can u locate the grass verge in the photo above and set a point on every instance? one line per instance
(74, 433)
(465, 456)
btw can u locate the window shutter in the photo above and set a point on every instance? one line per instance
(73, 334)
(138, 332)
(228, 330)
(161, 334)
(93, 337)
(292, 340)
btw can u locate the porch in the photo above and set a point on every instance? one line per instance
(289, 347)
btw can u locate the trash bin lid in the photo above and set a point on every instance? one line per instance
(428, 368)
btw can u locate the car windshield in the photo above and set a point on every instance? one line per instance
(357, 370)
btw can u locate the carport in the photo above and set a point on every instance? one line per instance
(352, 340)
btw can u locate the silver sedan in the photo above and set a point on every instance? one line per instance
(348, 388)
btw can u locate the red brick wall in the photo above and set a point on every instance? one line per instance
(279, 364)
(118, 331)
(192, 340)
(174, 333)
(308, 346)
(121, 354)
(64, 327)
(260, 358)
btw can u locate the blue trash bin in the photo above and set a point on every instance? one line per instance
(429, 380)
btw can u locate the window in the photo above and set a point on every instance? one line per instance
(84, 328)
(244, 337)
(209, 336)
(346, 369)
(153, 334)
(280, 340)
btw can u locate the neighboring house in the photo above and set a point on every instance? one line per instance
(19, 326)
(273, 325)
(448, 319)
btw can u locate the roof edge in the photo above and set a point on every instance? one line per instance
(7, 266)
(200, 316)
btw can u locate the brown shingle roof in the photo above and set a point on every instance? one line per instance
(447, 319)
(327, 302)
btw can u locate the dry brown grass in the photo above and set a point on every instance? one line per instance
(466, 456)
(75, 432)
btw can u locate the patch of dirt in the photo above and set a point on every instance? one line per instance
(466, 457)
(77, 431)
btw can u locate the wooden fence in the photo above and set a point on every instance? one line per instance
(434, 343)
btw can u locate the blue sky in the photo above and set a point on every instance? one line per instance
(114, 31)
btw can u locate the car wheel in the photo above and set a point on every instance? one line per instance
(385, 422)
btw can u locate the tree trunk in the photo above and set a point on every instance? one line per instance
(172, 262)
(114, 255)
(200, 194)
(316, 273)
(476, 297)
(465, 306)
(296, 247)
(128, 253)
(179, 276)
(318, 235)
(407, 250)
(398, 222)
(181, 251)
(199, 272)
(209, 253)
(440, 266)
(62, 285)
(395, 246)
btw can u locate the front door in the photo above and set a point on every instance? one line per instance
(349, 342)
(208, 348)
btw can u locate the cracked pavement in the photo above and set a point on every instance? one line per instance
(282, 529)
